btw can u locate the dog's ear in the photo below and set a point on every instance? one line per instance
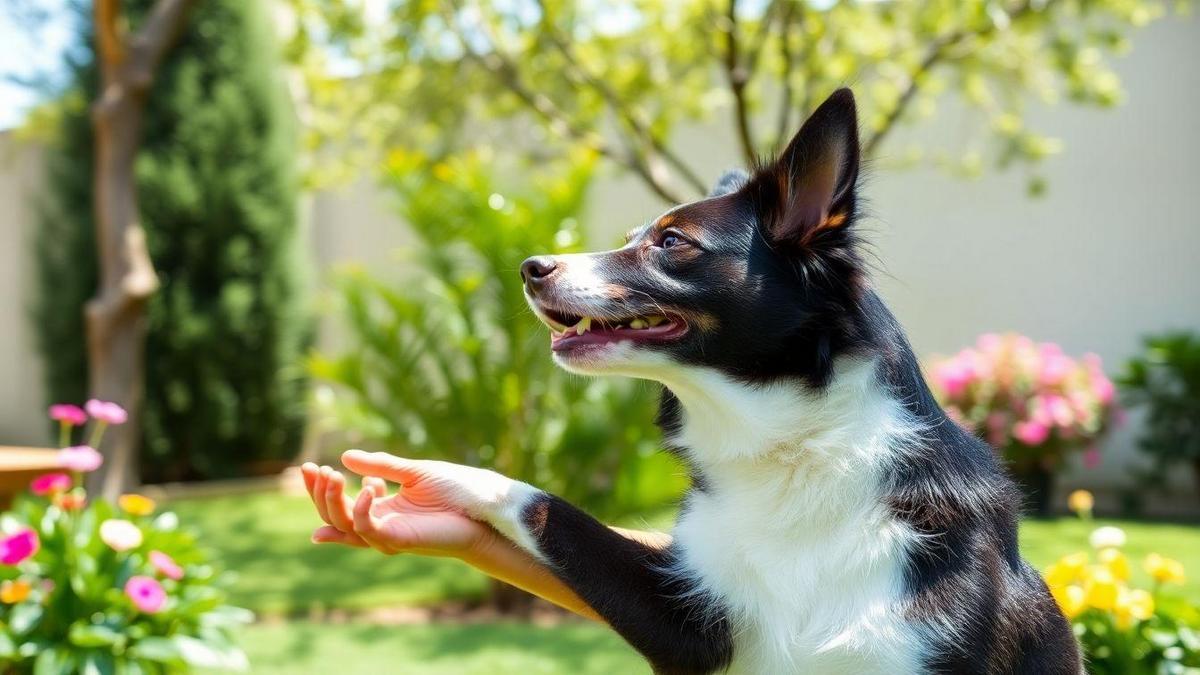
(731, 181)
(809, 190)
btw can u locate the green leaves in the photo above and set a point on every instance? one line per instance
(448, 363)
(557, 76)
(1165, 381)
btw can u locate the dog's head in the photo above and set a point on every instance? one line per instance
(758, 280)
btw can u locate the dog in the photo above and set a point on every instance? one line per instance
(838, 520)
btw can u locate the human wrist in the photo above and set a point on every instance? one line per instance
(481, 550)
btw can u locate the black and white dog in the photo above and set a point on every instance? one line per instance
(839, 522)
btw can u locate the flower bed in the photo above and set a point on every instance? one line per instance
(86, 586)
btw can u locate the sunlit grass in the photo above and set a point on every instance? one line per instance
(304, 648)
(265, 539)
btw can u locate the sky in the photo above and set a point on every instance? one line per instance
(26, 53)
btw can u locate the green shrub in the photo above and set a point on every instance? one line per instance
(1165, 380)
(218, 197)
(448, 362)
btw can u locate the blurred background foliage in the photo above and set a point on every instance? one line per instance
(218, 191)
(426, 76)
(444, 360)
(1165, 381)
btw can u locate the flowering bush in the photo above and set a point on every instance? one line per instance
(1029, 400)
(93, 587)
(1122, 628)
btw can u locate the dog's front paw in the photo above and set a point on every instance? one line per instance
(479, 493)
(487, 496)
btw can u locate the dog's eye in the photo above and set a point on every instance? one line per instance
(670, 240)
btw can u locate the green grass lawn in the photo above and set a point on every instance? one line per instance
(304, 648)
(264, 538)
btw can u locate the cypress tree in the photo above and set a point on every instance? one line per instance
(218, 196)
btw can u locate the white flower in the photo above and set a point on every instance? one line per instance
(120, 535)
(1107, 537)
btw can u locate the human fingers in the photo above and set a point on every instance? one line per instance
(367, 525)
(336, 502)
(328, 534)
(318, 495)
(382, 465)
(377, 486)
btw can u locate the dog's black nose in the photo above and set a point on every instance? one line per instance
(535, 270)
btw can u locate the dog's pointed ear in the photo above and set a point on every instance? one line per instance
(810, 188)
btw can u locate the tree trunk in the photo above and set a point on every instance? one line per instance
(116, 316)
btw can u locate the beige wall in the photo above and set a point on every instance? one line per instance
(1112, 252)
(22, 415)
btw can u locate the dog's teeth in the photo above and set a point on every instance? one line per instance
(584, 325)
(637, 323)
(655, 320)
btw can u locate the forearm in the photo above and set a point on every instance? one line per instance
(497, 557)
(501, 559)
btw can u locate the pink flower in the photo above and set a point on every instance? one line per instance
(120, 535)
(1031, 432)
(1055, 365)
(106, 411)
(68, 414)
(146, 593)
(953, 376)
(1060, 410)
(82, 458)
(1103, 388)
(165, 565)
(1091, 457)
(50, 483)
(16, 548)
(990, 342)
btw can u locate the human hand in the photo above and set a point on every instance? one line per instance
(419, 518)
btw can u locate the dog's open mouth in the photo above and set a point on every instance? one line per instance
(569, 331)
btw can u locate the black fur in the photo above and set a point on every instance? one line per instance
(628, 583)
(771, 282)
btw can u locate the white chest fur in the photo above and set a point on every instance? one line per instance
(791, 533)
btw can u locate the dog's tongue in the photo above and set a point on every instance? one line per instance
(600, 335)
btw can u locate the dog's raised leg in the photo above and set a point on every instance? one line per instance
(627, 582)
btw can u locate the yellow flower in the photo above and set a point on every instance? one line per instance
(136, 505)
(1071, 600)
(1116, 562)
(12, 592)
(1133, 605)
(1102, 589)
(1068, 569)
(1164, 570)
(1140, 604)
(1081, 502)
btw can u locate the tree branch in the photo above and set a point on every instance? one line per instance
(937, 50)
(109, 41)
(159, 31)
(638, 126)
(738, 76)
(507, 73)
(787, 96)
